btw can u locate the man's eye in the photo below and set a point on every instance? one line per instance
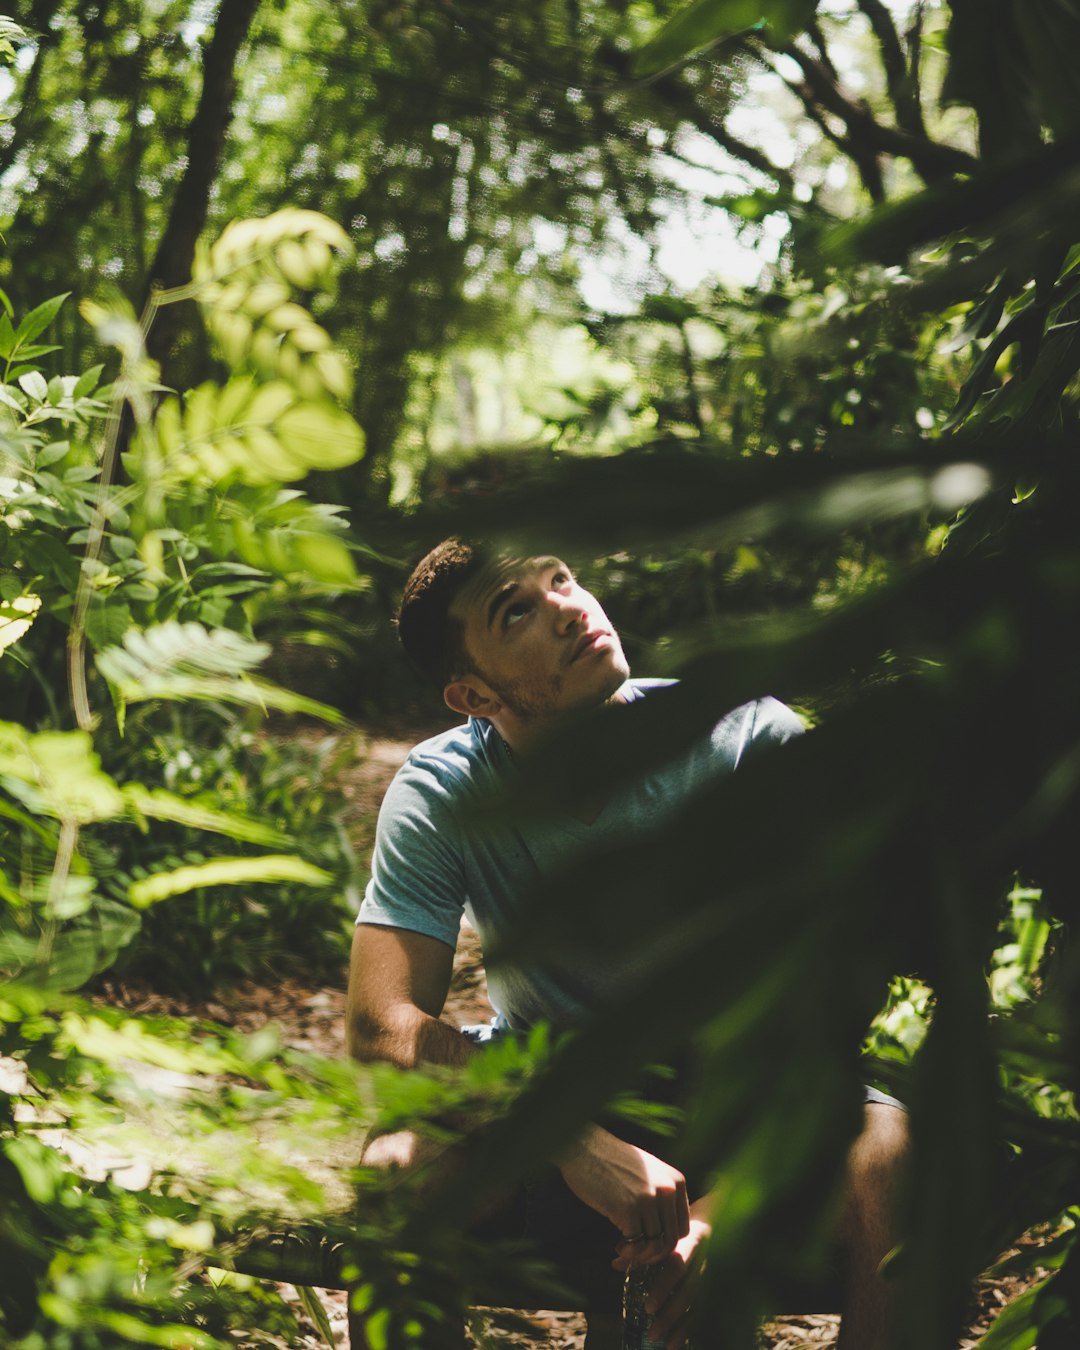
(514, 612)
(561, 579)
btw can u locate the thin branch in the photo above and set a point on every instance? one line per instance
(65, 852)
(898, 74)
(126, 388)
(817, 37)
(678, 97)
(690, 375)
(757, 159)
(819, 95)
(931, 160)
(913, 37)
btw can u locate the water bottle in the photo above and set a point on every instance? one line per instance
(636, 1321)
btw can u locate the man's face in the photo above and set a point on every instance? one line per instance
(538, 640)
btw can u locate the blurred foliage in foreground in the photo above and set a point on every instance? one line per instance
(933, 802)
(889, 839)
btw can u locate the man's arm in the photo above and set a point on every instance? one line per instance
(398, 981)
(643, 1196)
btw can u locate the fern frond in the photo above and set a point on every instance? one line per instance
(187, 661)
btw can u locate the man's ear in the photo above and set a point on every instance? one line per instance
(471, 697)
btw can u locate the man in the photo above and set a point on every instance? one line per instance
(518, 648)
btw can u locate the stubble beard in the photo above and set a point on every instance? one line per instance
(531, 698)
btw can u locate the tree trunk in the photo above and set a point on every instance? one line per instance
(206, 140)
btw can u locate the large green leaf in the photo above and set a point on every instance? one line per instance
(58, 773)
(162, 805)
(704, 22)
(38, 320)
(1020, 1324)
(227, 872)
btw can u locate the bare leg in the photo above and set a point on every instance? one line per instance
(875, 1167)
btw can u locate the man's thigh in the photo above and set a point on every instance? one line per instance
(553, 1226)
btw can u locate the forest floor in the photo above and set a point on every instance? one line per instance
(311, 1018)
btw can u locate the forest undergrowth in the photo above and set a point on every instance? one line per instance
(310, 1017)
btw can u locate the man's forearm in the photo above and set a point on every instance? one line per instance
(643, 1196)
(408, 1038)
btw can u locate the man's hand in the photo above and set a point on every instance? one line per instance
(642, 1196)
(403, 1150)
(671, 1294)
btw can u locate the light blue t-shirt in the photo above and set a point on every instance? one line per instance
(429, 866)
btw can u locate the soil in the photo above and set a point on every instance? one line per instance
(311, 1018)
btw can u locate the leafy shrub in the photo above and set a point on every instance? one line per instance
(211, 757)
(160, 578)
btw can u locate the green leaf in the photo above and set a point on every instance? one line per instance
(57, 773)
(320, 435)
(377, 1328)
(326, 558)
(87, 382)
(16, 616)
(96, 1037)
(39, 319)
(50, 454)
(81, 473)
(151, 656)
(36, 350)
(7, 337)
(39, 1167)
(707, 21)
(247, 692)
(227, 872)
(162, 805)
(35, 385)
(313, 1306)
(1019, 1325)
(185, 660)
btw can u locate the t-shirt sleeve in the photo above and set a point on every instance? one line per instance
(752, 729)
(417, 878)
(773, 724)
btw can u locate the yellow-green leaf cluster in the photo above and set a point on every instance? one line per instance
(57, 773)
(293, 553)
(250, 433)
(246, 282)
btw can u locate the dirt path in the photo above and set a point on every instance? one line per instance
(311, 1018)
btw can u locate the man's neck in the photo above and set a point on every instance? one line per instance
(523, 735)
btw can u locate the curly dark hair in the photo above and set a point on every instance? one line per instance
(432, 637)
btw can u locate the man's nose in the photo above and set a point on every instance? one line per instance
(568, 610)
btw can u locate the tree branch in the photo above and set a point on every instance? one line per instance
(913, 37)
(898, 74)
(820, 95)
(206, 140)
(37, 26)
(865, 135)
(817, 37)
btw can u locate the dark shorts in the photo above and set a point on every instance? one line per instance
(577, 1241)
